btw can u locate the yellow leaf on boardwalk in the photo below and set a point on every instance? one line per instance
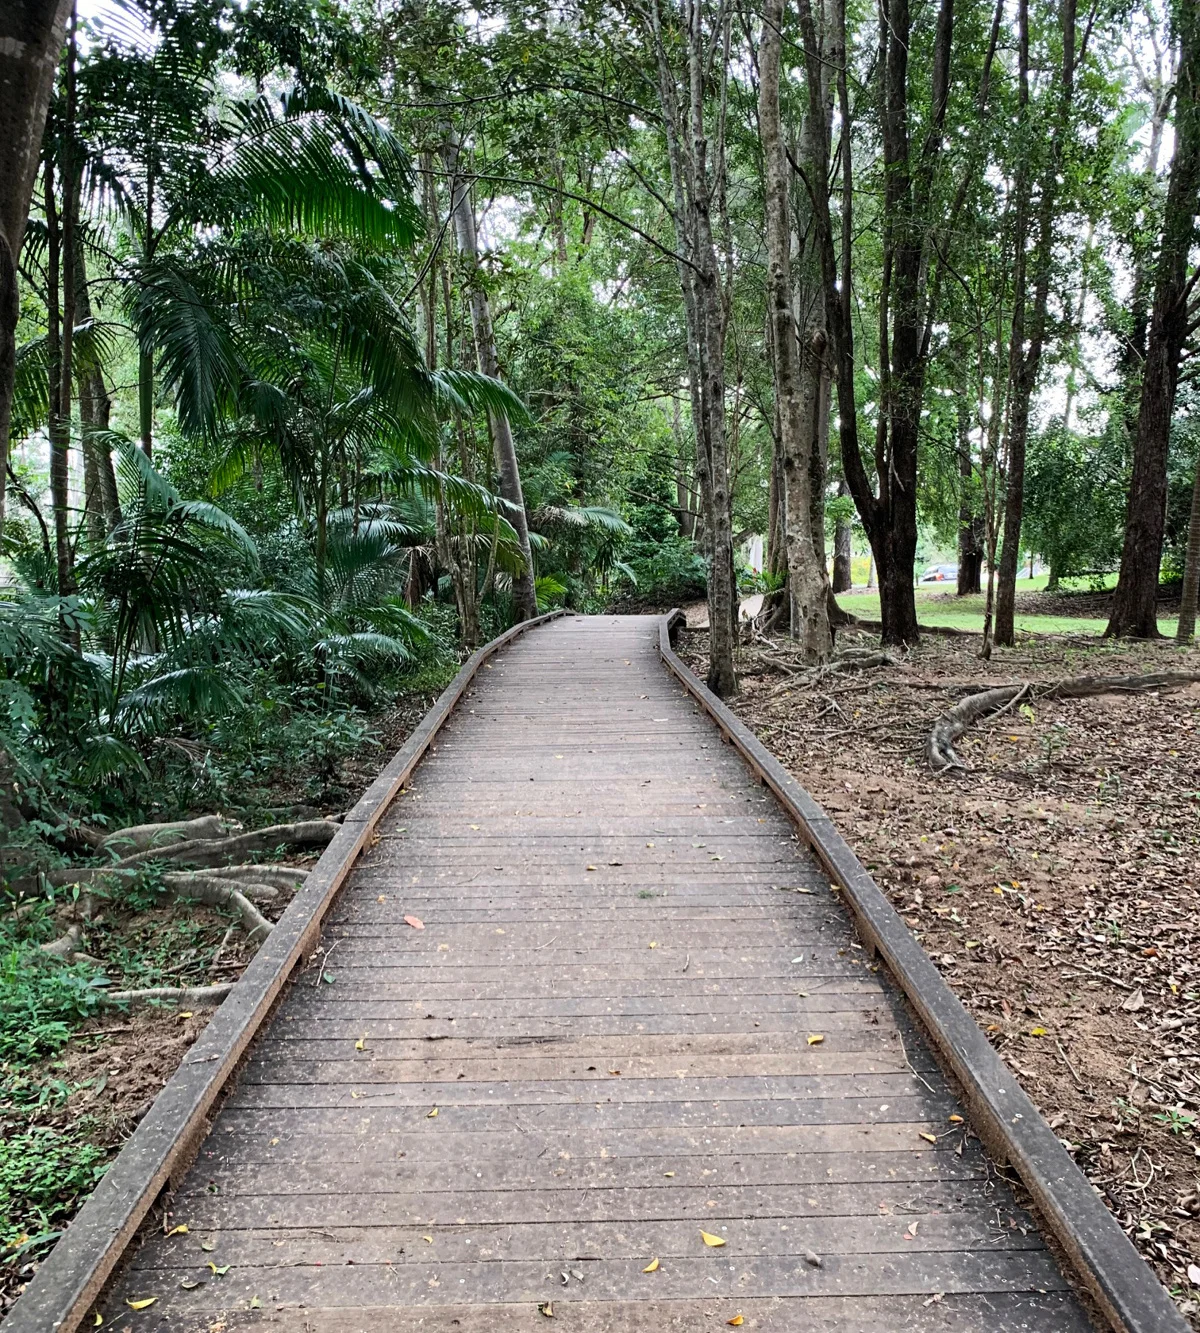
(651, 1267)
(710, 1240)
(180, 1230)
(815, 1038)
(143, 1304)
(361, 1043)
(737, 1321)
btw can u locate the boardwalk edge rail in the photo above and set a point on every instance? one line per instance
(71, 1278)
(1105, 1261)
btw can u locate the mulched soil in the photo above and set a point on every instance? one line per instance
(1056, 884)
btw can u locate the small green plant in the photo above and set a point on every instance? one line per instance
(43, 1172)
(1177, 1120)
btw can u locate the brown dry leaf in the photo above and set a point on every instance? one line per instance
(415, 922)
(651, 1267)
(813, 1259)
(710, 1240)
(815, 1038)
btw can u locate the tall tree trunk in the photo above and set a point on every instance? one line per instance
(798, 411)
(103, 503)
(1135, 600)
(59, 311)
(1025, 358)
(1186, 631)
(524, 599)
(970, 527)
(31, 38)
(843, 550)
(687, 151)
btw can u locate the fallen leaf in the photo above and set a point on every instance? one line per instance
(710, 1240)
(546, 1308)
(382, 898)
(668, 1174)
(654, 944)
(180, 1230)
(415, 922)
(1135, 1002)
(427, 1239)
(590, 867)
(184, 1013)
(956, 1119)
(935, 1298)
(432, 1114)
(361, 1043)
(737, 1321)
(815, 1038)
(813, 1259)
(144, 1304)
(651, 1267)
(255, 1303)
(220, 1272)
(1037, 1032)
(208, 1245)
(99, 1321)
(929, 1138)
(191, 1283)
(1194, 1275)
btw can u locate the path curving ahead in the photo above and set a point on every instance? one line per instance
(635, 1013)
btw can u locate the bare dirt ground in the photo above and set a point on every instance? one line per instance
(1056, 884)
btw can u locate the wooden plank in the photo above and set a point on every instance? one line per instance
(69, 1280)
(507, 1140)
(1104, 1259)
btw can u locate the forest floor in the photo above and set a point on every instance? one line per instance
(1055, 883)
(63, 1116)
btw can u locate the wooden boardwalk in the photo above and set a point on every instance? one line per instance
(602, 1042)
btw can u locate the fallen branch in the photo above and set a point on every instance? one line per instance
(184, 994)
(939, 748)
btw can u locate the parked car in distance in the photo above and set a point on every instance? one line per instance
(940, 574)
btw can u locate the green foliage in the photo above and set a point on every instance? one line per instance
(43, 1173)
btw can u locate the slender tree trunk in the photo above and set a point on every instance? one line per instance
(699, 272)
(58, 425)
(1135, 600)
(970, 537)
(1191, 568)
(31, 38)
(1025, 359)
(797, 410)
(843, 550)
(103, 503)
(524, 599)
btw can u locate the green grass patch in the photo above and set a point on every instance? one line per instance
(937, 605)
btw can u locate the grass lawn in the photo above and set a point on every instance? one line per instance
(937, 605)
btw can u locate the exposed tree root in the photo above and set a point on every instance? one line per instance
(67, 943)
(205, 889)
(141, 837)
(939, 748)
(209, 852)
(184, 994)
(282, 877)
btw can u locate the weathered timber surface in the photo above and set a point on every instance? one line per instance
(600, 1043)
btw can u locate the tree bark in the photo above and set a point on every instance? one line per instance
(31, 39)
(524, 599)
(797, 410)
(970, 526)
(60, 311)
(699, 274)
(843, 551)
(103, 503)
(1135, 600)
(1025, 359)
(1186, 630)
